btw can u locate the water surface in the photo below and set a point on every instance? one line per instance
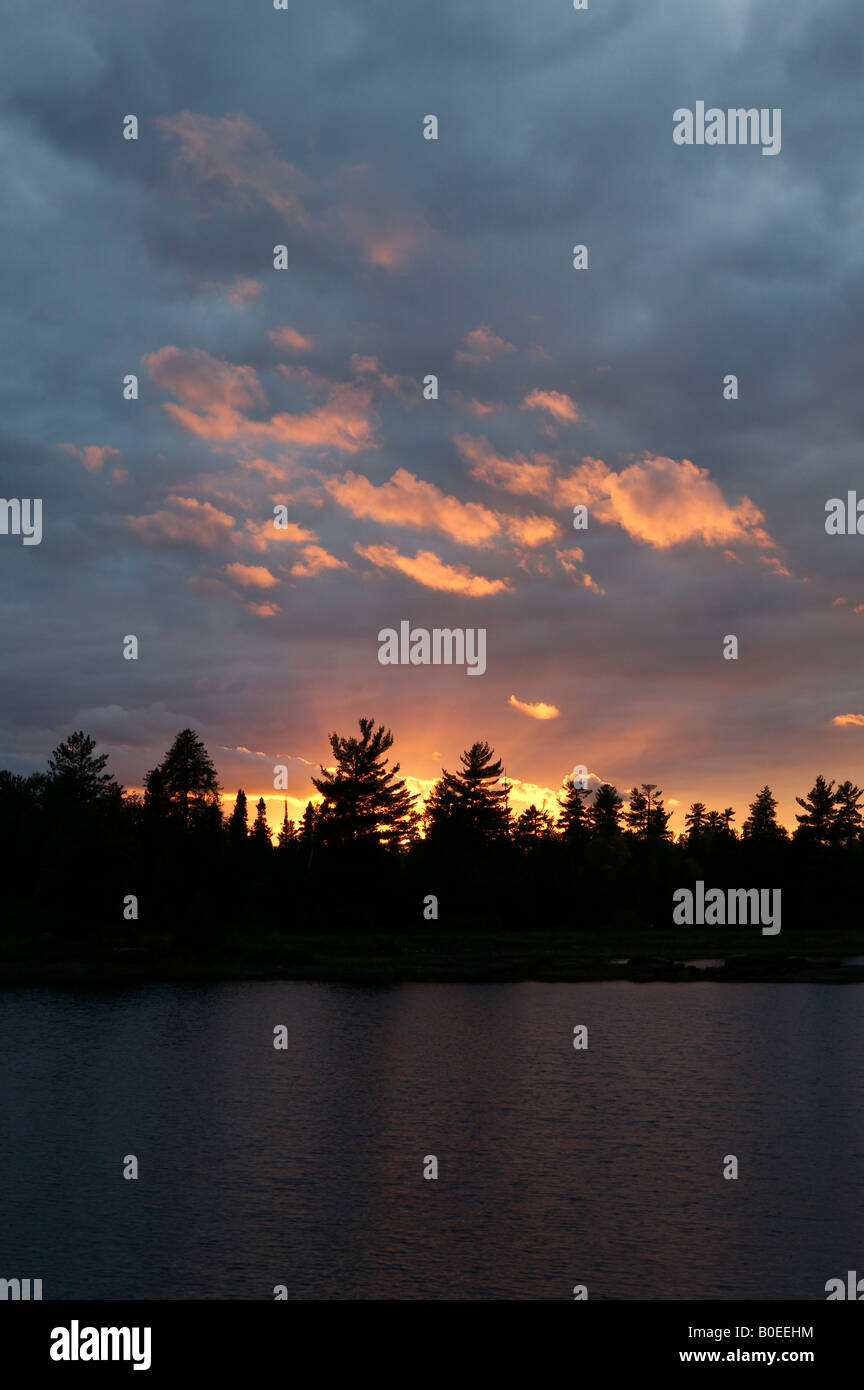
(304, 1167)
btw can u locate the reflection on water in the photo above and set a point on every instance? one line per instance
(304, 1167)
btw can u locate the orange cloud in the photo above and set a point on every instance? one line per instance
(215, 397)
(532, 530)
(258, 535)
(518, 474)
(537, 711)
(842, 720)
(428, 569)
(569, 561)
(557, 403)
(202, 383)
(663, 502)
(480, 346)
(251, 576)
(191, 521)
(263, 610)
(93, 456)
(315, 559)
(290, 338)
(408, 501)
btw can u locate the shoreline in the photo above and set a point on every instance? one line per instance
(131, 966)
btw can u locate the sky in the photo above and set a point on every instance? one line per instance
(558, 387)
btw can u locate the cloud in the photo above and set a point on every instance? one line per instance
(480, 346)
(93, 456)
(202, 383)
(557, 403)
(428, 569)
(190, 521)
(536, 711)
(315, 559)
(663, 502)
(240, 292)
(842, 720)
(290, 338)
(236, 152)
(251, 576)
(258, 535)
(409, 501)
(517, 474)
(215, 397)
(263, 610)
(532, 530)
(570, 562)
(388, 245)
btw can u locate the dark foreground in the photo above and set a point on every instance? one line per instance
(829, 957)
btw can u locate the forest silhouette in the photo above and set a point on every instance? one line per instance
(367, 854)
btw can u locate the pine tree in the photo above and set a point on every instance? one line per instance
(288, 833)
(238, 821)
(78, 773)
(762, 824)
(847, 820)
(645, 815)
(636, 814)
(532, 827)
(470, 804)
(186, 780)
(694, 821)
(308, 825)
(818, 807)
(606, 812)
(259, 835)
(574, 816)
(364, 801)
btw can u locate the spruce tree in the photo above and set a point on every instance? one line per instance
(574, 814)
(762, 823)
(606, 812)
(187, 781)
(259, 835)
(238, 820)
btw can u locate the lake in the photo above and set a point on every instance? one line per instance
(304, 1167)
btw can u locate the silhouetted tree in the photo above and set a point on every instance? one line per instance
(694, 821)
(847, 818)
(761, 824)
(532, 827)
(363, 800)
(574, 816)
(606, 811)
(470, 804)
(287, 834)
(187, 780)
(308, 821)
(238, 827)
(645, 815)
(260, 832)
(78, 773)
(818, 807)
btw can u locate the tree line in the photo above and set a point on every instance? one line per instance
(362, 851)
